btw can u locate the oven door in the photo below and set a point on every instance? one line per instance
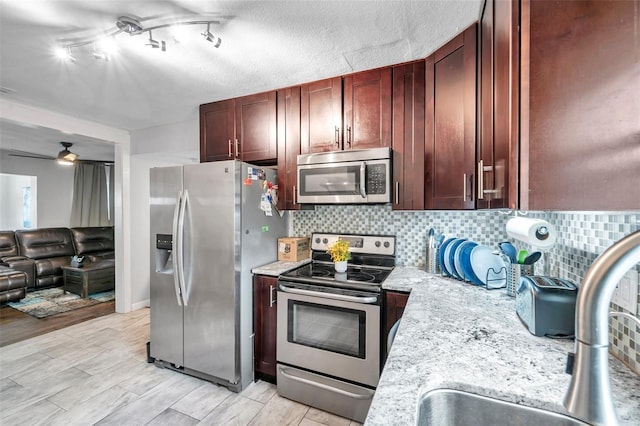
(330, 333)
(345, 182)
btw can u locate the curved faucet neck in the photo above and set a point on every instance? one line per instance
(589, 396)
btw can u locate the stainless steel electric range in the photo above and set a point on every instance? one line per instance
(329, 326)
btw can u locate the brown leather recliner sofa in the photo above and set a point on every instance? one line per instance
(96, 243)
(49, 249)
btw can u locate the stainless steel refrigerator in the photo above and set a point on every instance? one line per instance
(208, 230)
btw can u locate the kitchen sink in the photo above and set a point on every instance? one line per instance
(449, 407)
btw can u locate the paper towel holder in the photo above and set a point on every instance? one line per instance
(542, 234)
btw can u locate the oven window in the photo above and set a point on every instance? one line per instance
(330, 181)
(331, 328)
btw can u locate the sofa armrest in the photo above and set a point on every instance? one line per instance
(23, 264)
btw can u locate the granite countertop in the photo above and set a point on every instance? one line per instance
(274, 269)
(458, 336)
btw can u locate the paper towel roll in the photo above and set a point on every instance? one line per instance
(537, 232)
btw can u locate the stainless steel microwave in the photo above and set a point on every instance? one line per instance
(345, 177)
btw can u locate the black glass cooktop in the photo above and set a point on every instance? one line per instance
(325, 273)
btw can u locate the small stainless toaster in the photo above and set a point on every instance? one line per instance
(547, 305)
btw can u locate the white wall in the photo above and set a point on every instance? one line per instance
(55, 187)
(160, 146)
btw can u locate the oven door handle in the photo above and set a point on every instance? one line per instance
(354, 299)
(363, 178)
(326, 387)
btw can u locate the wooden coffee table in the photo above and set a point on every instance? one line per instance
(91, 278)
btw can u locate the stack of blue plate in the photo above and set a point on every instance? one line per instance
(469, 261)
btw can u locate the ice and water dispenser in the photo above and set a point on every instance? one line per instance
(164, 259)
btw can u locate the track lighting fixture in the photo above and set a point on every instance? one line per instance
(104, 46)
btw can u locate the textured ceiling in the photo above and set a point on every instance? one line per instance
(265, 45)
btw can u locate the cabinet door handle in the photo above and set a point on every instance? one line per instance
(337, 135)
(230, 153)
(349, 136)
(398, 192)
(481, 191)
(272, 301)
(464, 187)
(481, 180)
(237, 143)
(294, 195)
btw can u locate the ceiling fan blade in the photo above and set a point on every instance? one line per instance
(106, 162)
(25, 154)
(15, 153)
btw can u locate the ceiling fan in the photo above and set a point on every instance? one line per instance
(64, 157)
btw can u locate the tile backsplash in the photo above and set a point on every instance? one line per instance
(582, 236)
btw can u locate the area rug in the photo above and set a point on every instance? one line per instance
(52, 301)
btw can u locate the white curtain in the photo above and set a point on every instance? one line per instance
(90, 207)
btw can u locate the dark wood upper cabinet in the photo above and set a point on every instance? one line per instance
(450, 122)
(498, 75)
(321, 116)
(264, 326)
(364, 122)
(256, 127)
(288, 146)
(580, 122)
(217, 131)
(242, 128)
(408, 136)
(367, 109)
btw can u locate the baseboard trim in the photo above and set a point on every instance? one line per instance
(140, 305)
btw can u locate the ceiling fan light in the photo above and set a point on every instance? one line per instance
(64, 162)
(66, 155)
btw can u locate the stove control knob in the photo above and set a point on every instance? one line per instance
(386, 244)
(325, 240)
(377, 243)
(317, 240)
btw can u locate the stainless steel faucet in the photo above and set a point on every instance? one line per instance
(589, 396)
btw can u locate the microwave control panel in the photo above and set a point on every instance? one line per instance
(376, 179)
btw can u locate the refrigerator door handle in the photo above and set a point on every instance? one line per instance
(185, 203)
(175, 247)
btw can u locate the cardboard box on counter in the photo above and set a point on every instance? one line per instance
(293, 249)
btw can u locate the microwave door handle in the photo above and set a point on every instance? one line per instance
(363, 177)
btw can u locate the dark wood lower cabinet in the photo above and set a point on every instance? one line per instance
(394, 304)
(264, 326)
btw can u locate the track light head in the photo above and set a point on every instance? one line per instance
(64, 53)
(100, 54)
(211, 38)
(153, 43)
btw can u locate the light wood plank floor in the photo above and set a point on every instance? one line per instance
(96, 372)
